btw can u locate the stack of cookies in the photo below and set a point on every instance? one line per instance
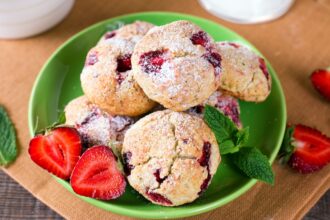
(145, 88)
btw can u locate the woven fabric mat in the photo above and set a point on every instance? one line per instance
(295, 45)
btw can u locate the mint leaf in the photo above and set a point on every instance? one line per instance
(242, 137)
(8, 151)
(223, 128)
(227, 147)
(286, 148)
(254, 164)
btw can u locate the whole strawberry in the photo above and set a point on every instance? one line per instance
(321, 82)
(57, 150)
(305, 149)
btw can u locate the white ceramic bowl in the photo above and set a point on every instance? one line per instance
(25, 18)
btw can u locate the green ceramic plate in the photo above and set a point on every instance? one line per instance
(58, 83)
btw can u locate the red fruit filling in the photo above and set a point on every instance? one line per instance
(263, 67)
(86, 143)
(204, 161)
(205, 183)
(234, 45)
(152, 61)
(229, 107)
(157, 175)
(123, 64)
(110, 34)
(92, 58)
(156, 197)
(94, 113)
(200, 38)
(127, 167)
(215, 60)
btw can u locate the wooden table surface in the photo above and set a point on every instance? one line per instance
(17, 203)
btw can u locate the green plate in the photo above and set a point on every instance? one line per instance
(58, 83)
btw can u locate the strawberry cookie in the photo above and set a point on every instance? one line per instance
(244, 73)
(177, 65)
(225, 103)
(170, 157)
(95, 126)
(107, 78)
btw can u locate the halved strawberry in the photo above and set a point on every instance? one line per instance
(305, 149)
(57, 150)
(321, 82)
(97, 174)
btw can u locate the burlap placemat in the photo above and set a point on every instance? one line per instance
(295, 45)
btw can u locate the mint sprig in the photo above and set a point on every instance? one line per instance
(228, 136)
(8, 150)
(233, 140)
(254, 164)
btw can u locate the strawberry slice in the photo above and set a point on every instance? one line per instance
(97, 174)
(305, 149)
(57, 150)
(321, 82)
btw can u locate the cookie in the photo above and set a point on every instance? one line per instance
(107, 81)
(177, 65)
(170, 157)
(225, 103)
(95, 126)
(244, 73)
(128, 34)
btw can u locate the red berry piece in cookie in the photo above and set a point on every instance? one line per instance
(158, 198)
(200, 38)
(126, 160)
(109, 34)
(123, 65)
(306, 149)
(215, 59)
(152, 61)
(321, 82)
(204, 161)
(263, 67)
(57, 151)
(97, 175)
(92, 58)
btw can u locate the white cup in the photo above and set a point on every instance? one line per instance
(247, 11)
(25, 18)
